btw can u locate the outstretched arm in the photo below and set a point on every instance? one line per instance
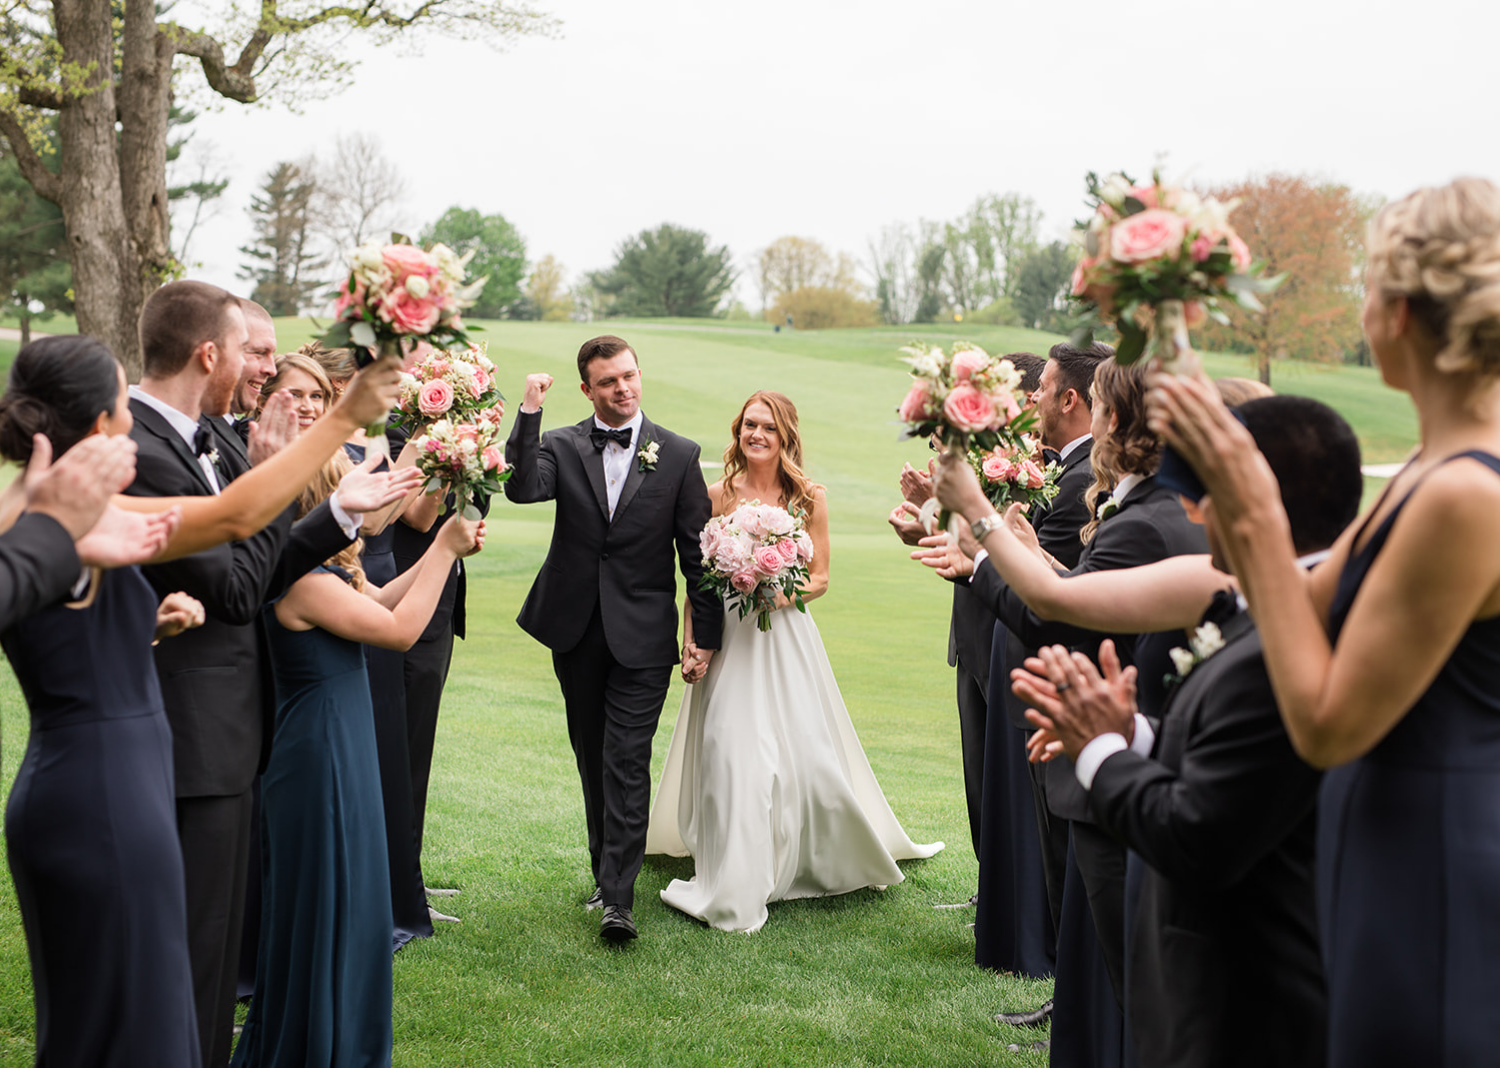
(533, 468)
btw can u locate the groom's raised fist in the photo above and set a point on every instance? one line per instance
(537, 386)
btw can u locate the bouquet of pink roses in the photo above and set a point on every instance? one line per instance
(1157, 260)
(969, 397)
(455, 385)
(1009, 475)
(754, 553)
(466, 459)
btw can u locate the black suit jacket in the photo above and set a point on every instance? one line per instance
(624, 566)
(212, 677)
(1224, 966)
(38, 566)
(1149, 526)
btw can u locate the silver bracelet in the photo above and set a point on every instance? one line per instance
(983, 526)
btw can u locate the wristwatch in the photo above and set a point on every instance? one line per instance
(982, 527)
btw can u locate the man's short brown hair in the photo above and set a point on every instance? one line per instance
(604, 347)
(178, 318)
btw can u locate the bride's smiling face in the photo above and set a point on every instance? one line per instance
(759, 439)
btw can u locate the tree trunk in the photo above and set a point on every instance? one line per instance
(1265, 369)
(25, 326)
(145, 99)
(105, 266)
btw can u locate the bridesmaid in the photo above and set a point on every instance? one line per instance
(1386, 659)
(91, 823)
(323, 977)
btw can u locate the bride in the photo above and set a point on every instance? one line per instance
(766, 784)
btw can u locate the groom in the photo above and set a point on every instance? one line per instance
(605, 601)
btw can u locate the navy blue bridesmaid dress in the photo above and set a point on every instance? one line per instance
(1409, 863)
(323, 976)
(91, 834)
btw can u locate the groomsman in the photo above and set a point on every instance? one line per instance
(213, 679)
(1224, 962)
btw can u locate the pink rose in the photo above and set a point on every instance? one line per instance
(1239, 253)
(743, 581)
(787, 549)
(967, 363)
(494, 458)
(768, 561)
(435, 397)
(482, 379)
(804, 545)
(1006, 403)
(917, 406)
(968, 409)
(408, 259)
(749, 520)
(1146, 194)
(1147, 235)
(1081, 275)
(709, 540)
(408, 314)
(1031, 474)
(998, 468)
(1203, 247)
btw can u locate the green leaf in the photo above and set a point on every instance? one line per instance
(1083, 337)
(1132, 344)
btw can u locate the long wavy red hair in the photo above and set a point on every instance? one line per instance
(796, 487)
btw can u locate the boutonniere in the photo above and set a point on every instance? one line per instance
(1205, 642)
(648, 455)
(213, 456)
(1108, 508)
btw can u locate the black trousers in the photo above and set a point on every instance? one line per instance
(612, 716)
(973, 712)
(426, 671)
(1053, 832)
(216, 838)
(1101, 863)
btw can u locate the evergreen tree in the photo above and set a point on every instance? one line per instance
(35, 279)
(1040, 286)
(667, 271)
(284, 266)
(499, 255)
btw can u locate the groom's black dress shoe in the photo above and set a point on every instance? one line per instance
(595, 901)
(1035, 1018)
(618, 924)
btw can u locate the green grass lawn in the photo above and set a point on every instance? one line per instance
(868, 978)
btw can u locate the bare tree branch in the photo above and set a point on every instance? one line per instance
(46, 185)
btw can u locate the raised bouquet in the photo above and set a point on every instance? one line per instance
(754, 553)
(464, 458)
(397, 291)
(1157, 261)
(1010, 475)
(456, 385)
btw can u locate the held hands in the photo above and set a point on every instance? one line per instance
(176, 613)
(537, 386)
(274, 429)
(695, 662)
(1074, 703)
(365, 490)
(370, 394)
(122, 538)
(75, 490)
(461, 537)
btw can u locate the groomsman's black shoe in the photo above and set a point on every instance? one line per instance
(618, 924)
(595, 901)
(1035, 1018)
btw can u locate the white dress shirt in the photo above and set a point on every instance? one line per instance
(181, 422)
(617, 459)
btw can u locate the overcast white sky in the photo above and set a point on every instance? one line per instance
(831, 119)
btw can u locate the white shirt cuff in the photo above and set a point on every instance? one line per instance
(1095, 754)
(1145, 737)
(348, 523)
(980, 557)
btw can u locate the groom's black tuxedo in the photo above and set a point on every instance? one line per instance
(605, 603)
(1224, 966)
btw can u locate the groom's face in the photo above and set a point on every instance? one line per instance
(614, 386)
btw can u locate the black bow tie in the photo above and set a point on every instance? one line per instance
(1052, 456)
(600, 438)
(203, 440)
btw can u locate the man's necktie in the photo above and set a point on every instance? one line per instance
(600, 438)
(203, 441)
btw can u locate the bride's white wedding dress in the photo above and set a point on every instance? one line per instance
(766, 785)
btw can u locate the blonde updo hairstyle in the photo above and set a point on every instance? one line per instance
(796, 488)
(1440, 249)
(333, 470)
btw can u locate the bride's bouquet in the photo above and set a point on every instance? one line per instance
(968, 397)
(754, 553)
(1010, 475)
(455, 385)
(466, 459)
(1157, 260)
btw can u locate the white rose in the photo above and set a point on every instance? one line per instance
(417, 286)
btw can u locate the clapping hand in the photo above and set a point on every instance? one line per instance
(363, 489)
(122, 538)
(916, 486)
(274, 429)
(1072, 700)
(76, 489)
(908, 527)
(939, 552)
(176, 613)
